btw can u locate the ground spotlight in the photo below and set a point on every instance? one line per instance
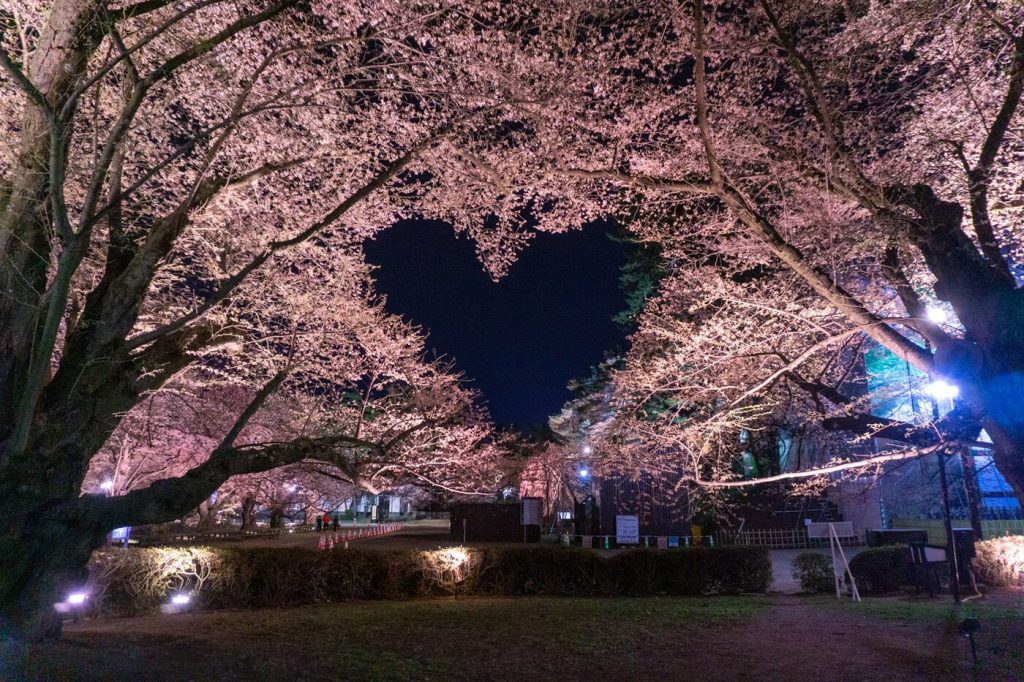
(73, 603)
(179, 602)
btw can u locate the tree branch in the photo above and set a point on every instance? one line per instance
(696, 186)
(979, 178)
(230, 284)
(810, 473)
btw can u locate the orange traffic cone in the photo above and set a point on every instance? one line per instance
(346, 544)
(323, 543)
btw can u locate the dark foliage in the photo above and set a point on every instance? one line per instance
(882, 569)
(814, 571)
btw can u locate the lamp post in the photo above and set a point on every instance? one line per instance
(940, 389)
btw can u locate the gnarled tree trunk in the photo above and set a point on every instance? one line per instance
(248, 512)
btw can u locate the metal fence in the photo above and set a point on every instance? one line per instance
(770, 538)
(188, 538)
(779, 539)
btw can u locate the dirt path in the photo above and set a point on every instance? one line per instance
(802, 639)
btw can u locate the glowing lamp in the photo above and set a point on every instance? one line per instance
(584, 472)
(107, 485)
(180, 599)
(940, 389)
(587, 450)
(936, 315)
(74, 604)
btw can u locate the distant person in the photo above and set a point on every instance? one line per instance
(319, 524)
(327, 522)
(334, 524)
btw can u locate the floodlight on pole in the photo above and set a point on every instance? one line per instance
(940, 389)
(936, 315)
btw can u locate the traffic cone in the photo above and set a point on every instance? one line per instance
(323, 543)
(330, 541)
(346, 544)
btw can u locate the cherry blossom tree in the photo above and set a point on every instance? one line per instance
(817, 175)
(184, 188)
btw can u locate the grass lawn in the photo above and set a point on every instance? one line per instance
(751, 637)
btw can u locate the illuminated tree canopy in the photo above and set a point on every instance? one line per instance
(185, 186)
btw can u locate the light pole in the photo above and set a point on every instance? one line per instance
(941, 389)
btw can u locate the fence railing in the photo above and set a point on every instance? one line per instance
(780, 539)
(185, 538)
(770, 538)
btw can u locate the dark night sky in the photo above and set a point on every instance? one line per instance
(520, 340)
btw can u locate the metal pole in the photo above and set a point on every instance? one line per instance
(954, 574)
(973, 494)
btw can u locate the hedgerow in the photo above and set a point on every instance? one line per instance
(134, 581)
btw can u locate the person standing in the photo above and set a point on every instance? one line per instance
(319, 524)
(334, 524)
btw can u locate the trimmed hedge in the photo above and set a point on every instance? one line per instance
(814, 571)
(882, 569)
(134, 581)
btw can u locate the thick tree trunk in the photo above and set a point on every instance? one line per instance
(988, 366)
(25, 221)
(248, 513)
(43, 557)
(206, 515)
(1009, 449)
(276, 517)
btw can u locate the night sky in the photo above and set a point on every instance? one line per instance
(520, 340)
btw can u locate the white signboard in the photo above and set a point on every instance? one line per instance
(627, 530)
(844, 529)
(121, 533)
